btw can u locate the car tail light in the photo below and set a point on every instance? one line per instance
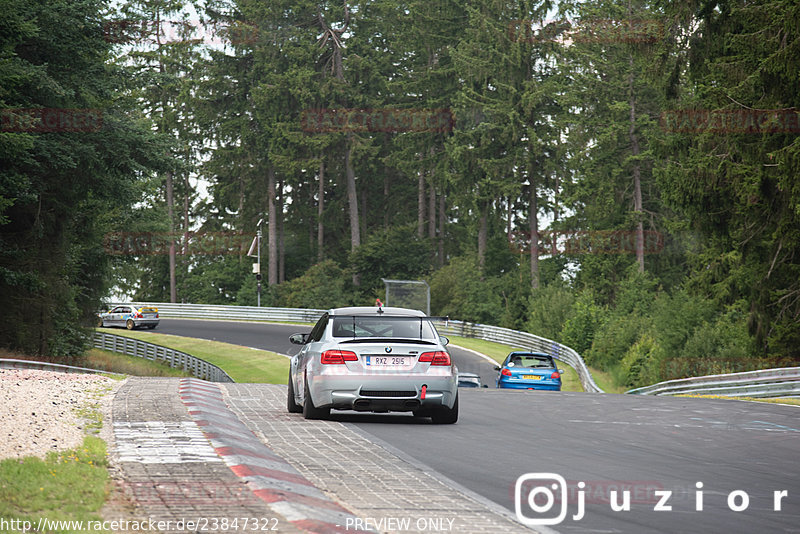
(555, 376)
(138, 316)
(505, 372)
(156, 315)
(338, 357)
(439, 357)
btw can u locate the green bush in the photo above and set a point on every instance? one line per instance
(585, 318)
(614, 338)
(549, 309)
(636, 365)
(323, 285)
(397, 252)
(718, 346)
(457, 290)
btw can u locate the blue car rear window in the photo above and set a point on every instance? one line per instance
(542, 362)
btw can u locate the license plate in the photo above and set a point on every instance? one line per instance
(149, 315)
(532, 377)
(389, 361)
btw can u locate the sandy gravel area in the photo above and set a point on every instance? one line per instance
(40, 410)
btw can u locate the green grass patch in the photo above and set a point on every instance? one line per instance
(243, 364)
(90, 413)
(70, 485)
(772, 400)
(499, 351)
(114, 362)
(609, 381)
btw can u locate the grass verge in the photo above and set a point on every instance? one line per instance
(773, 400)
(609, 381)
(243, 364)
(114, 362)
(66, 486)
(498, 352)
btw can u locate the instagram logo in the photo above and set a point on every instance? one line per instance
(535, 494)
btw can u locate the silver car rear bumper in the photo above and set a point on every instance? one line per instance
(384, 393)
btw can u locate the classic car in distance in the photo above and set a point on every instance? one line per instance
(373, 359)
(129, 316)
(529, 370)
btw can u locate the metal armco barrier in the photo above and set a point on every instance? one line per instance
(458, 328)
(526, 341)
(782, 382)
(173, 358)
(231, 313)
(767, 383)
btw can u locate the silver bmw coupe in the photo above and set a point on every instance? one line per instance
(373, 359)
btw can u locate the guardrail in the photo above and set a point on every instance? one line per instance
(782, 382)
(523, 340)
(231, 313)
(306, 315)
(149, 351)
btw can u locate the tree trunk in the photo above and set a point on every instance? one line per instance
(173, 290)
(432, 213)
(431, 198)
(320, 210)
(363, 211)
(441, 229)
(272, 229)
(352, 201)
(385, 199)
(637, 183)
(483, 232)
(533, 220)
(243, 244)
(186, 217)
(554, 249)
(281, 255)
(509, 216)
(420, 201)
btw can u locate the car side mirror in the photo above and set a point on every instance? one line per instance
(445, 341)
(561, 371)
(496, 368)
(298, 339)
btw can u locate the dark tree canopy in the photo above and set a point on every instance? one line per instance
(620, 176)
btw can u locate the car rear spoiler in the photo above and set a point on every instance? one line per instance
(362, 316)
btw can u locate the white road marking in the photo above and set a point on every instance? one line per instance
(158, 442)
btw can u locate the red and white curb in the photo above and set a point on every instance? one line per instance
(270, 477)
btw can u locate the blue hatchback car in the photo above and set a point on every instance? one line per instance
(529, 370)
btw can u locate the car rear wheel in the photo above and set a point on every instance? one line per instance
(100, 323)
(129, 324)
(291, 405)
(445, 415)
(310, 411)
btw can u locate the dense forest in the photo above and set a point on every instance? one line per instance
(618, 176)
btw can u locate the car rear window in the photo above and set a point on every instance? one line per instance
(383, 327)
(529, 360)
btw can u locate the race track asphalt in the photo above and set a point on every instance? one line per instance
(647, 446)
